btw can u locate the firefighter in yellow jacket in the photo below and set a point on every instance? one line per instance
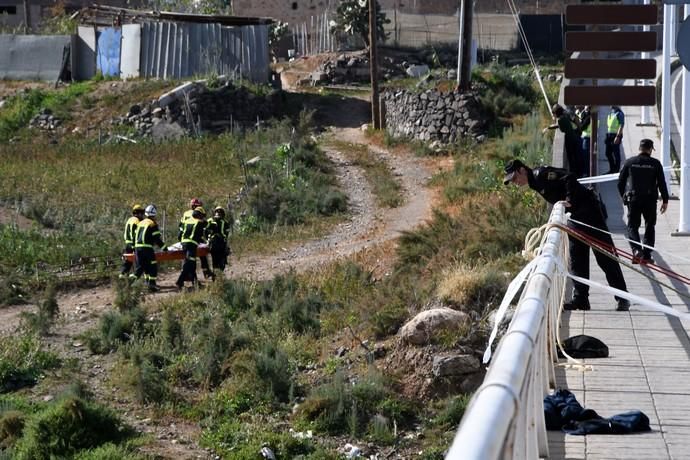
(193, 204)
(193, 229)
(217, 232)
(130, 235)
(148, 235)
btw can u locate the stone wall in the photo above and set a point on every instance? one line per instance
(212, 110)
(433, 116)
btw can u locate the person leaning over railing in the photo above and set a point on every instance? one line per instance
(554, 185)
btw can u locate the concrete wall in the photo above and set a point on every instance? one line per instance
(300, 11)
(32, 57)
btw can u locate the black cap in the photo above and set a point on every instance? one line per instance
(510, 169)
(647, 144)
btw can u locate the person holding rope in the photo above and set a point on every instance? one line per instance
(554, 185)
(572, 142)
(640, 182)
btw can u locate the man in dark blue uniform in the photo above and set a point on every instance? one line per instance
(554, 185)
(640, 182)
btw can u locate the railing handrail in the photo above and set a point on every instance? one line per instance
(505, 418)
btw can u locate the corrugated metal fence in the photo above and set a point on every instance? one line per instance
(178, 50)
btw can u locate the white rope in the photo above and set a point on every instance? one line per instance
(528, 49)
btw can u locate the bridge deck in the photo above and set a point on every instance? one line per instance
(649, 364)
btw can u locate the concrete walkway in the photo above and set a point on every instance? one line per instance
(649, 364)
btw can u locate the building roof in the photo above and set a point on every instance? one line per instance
(104, 14)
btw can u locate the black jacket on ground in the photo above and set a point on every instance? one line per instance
(563, 412)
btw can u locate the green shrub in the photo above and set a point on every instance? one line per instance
(12, 291)
(339, 407)
(114, 329)
(275, 372)
(171, 330)
(22, 360)
(109, 452)
(67, 427)
(127, 295)
(149, 378)
(48, 310)
(238, 441)
(451, 412)
(11, 427)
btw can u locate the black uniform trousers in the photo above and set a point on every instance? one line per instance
(188, 272)
(573, 152)
(146, 265)
(126, 264)
(219, 253)
(613, 152)
(579, 253)
(636, 210)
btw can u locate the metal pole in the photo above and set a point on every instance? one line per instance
(644, 112)
(666, 82)
(461, 34)
(374, 67)
(684, 221)
(466, 68)
(674, 28)
(27, 17)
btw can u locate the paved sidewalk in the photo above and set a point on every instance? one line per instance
(649, 364)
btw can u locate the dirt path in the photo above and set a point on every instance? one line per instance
(368, 226)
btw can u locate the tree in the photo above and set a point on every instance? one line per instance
(193, 6)
(352, 18)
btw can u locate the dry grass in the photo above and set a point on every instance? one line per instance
(471, 288)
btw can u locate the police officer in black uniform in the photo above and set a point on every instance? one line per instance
(640, 182)
(555, 184)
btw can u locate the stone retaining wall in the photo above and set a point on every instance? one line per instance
(433, 116)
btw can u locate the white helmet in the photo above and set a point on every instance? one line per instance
(150, 210)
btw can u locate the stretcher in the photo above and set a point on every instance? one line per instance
(174, 252)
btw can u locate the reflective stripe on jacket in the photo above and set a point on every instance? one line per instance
(131, 229)
(193, 231)
(148, 234)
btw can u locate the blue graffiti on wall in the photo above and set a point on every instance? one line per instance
(108, 49)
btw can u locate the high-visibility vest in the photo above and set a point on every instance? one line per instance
(147, 234)
(612, 123)
(193, 231)
(587, 132)
(131, 229)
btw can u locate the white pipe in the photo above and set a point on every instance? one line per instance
(461, 33)
(674, 28)
(666, 83)
(684, 194)
(644, 112)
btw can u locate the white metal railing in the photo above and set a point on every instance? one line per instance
(505, 418)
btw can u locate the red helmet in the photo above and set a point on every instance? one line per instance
(195, 203)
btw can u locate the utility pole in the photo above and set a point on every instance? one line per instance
(461, 35)
(666, 92)
(374, 67)
(27, 17)
(467, 9)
